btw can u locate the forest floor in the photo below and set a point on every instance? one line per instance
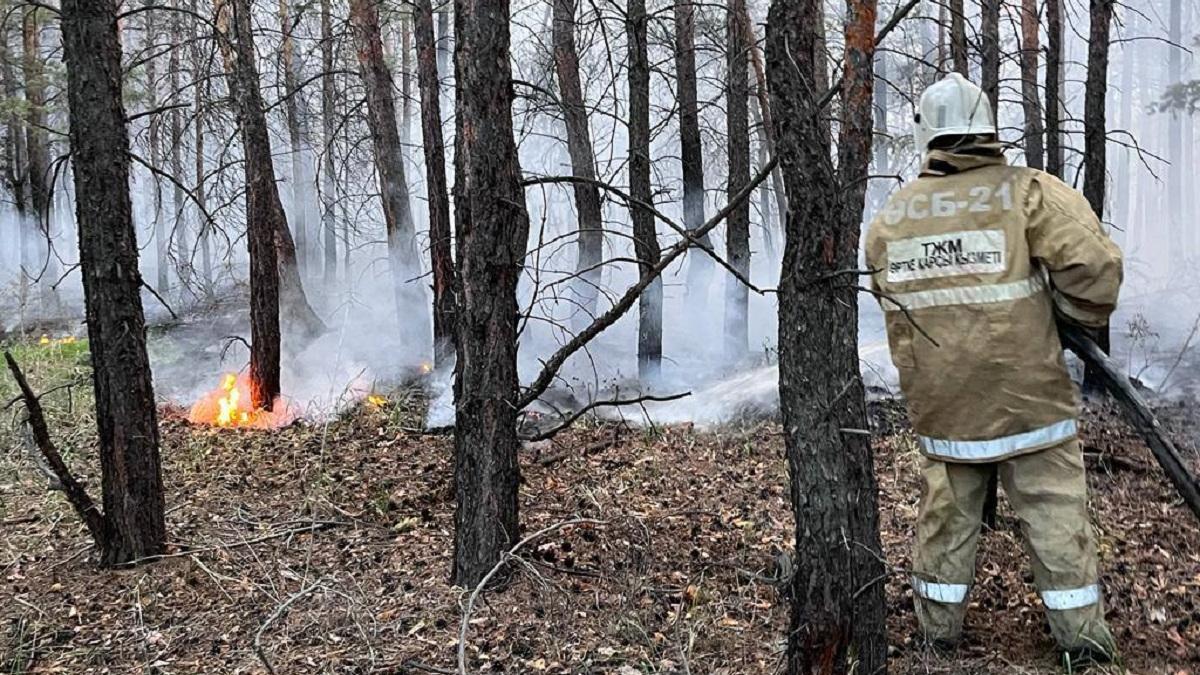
(327, 547)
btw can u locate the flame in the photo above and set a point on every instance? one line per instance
(426, 367)
(376, 400)
(229, 406)
(45, 340)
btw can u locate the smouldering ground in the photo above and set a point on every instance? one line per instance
(326, 549)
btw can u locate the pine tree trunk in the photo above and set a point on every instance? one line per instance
(1030, 98)
(737, 225)
(201, 90)
(329, 129)
(1175, 169)
(180, 235)
(264, 212)
(1054, 72)
(691, 149)
(299, 181)
(645, 232)
(1095, 143)
(837, 595)
(45, 270)
(767, 125)
(162, 242)
(492, 228)
(389, 164)
(958, 38)
(590, 245)
(125, 408)
(990, 52)
(440, 235)
(405, 79)
(16, 173)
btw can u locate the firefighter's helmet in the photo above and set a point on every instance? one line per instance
(952, 106)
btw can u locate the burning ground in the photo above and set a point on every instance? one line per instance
(326, 548)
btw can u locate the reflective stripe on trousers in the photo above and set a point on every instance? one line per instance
(998, 448)
(951, 594)
(1071, 598)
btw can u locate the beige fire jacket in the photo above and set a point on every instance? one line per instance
(979, 255)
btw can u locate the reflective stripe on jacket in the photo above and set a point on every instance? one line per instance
(972, 260)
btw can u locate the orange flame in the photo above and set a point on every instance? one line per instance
(376, 400)
(229, 406)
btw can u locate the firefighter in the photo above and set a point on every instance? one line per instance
(973, 263)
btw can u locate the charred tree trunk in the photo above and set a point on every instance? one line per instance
(737, 225)
(990, 52)
(691, 150)
(645, 233)
(493, 227)
(329, 129)
(440, 236)
(837, 597)
(134, 520)
(1095, 145)
(1054, 74)
(1030, 99)
(958, 38)
(239, 54)
(389, 165)
(590, 247)
(264, 212)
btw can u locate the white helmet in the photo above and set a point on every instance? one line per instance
(952, 106)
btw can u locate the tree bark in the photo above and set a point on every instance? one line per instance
(766, 123)
(737, 134)
(1030, 99)
(958, 38)
(405, 79)
(1095, 145)
(1054, 74)
(590, 244)
(389, 164)
(125, 409)
(329, 129)
(837, 596)
(264, 212)
(645, 233)
(493, 228)
(691, 149)
(440, 235)
(990, 53)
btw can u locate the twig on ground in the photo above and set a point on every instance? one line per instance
(279, 611)
(466, 619)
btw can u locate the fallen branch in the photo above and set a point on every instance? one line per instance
(466, 619)
(78, 497)
(1138, 412)
(570, 419)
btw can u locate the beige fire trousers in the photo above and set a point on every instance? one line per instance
(1048, 491)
